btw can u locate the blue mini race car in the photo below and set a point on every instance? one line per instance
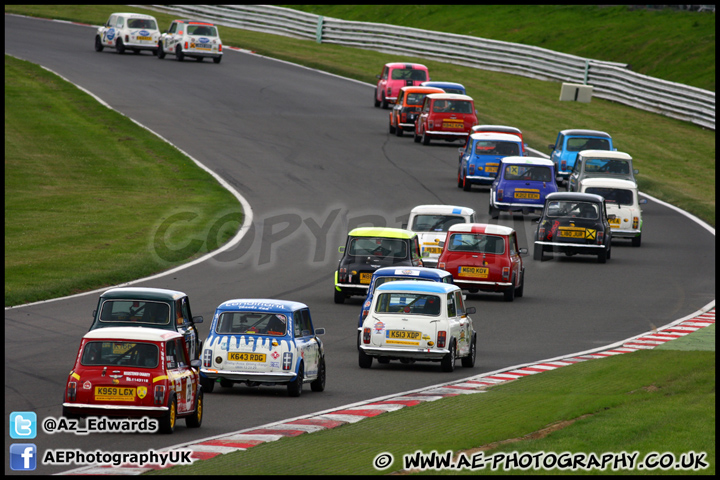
(263, 342)
(569, 143)
(521, 185)
(480, 159)
(449, 87)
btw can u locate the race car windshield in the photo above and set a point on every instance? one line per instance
(380, 280)
(575, 144)
(453, 106)
(476, 243)
(493, 147)
(528, 172)
(616, 196)
(379, 247)
(573, 209)
(435, 223)
(408, 303)
(137, 311)
(408, 74)
(611, 166)
(252, 323)
(144, 23)
(203, 30)
(126, 354)
(415, 98)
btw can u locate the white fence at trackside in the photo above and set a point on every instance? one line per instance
(610, 81)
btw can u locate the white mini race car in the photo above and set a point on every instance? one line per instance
(128, 31)
(190, 38)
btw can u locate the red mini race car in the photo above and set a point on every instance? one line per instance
(135, 372)
(445, 116)
(484, 257)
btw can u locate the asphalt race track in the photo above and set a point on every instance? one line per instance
(311, 154)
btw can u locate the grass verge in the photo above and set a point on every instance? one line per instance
(91, 198)
(647, 401)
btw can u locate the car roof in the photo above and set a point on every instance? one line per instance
(199, 22)
(608, 182)
(142, 293)
(449, 96)
(604, 154)
(405, 65)
(490, 229)
(442, 210)
(134, 15)
(381, 232)
(591, 197)
(447, 84)
(421, 272)
(421, 89)
(495, 128)
(132, 333)
(577, 131)
(507, 137)
(261, 305)
(528, 161)
(419, 287)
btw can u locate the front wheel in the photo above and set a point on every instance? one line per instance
(195, 420)
(98, 44)
(318, 385)
(160, 51)
(179, 54)
(469, 361)
(120, 46)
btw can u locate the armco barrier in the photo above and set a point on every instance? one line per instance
(610, 80)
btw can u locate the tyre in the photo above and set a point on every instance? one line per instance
(295, 387)
(416, 137)
(364, 360)
(339, 297)
(198, 59)
(195, 420)
(398, 131)
(98, 44)
(120, 46)
(447, 364)
(509, 294)
(538, 252)
(160, 51)
(469, 361)
(376, 102)
(179, 54)
(636, 241)
(467, 186)
(494, 212)
(384, 102)
(602, 256)
(167, 421)
(318, 385)
(460, 179)
(208, 384)
(217, 59)
(391, 129)
(521, 289)
(425, 139)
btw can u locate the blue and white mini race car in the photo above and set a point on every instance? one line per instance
(521, 185)
(263, 342)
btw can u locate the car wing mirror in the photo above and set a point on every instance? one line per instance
(319, 331)
(198, 319)
(441, 244)
(635, 171)
(523, 251)
(551, 146)
(470, 310)
(642, 201)
(196, 363)
(341, 249)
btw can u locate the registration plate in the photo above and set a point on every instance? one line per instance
(453, 124)
(365, 278)
(491, 168)
(437, 250)
(479, 272)
(114, 394)
(614, 222)
(403, 334)
(144, 38)
(572, 233)
(245, 357)
(528, 195)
